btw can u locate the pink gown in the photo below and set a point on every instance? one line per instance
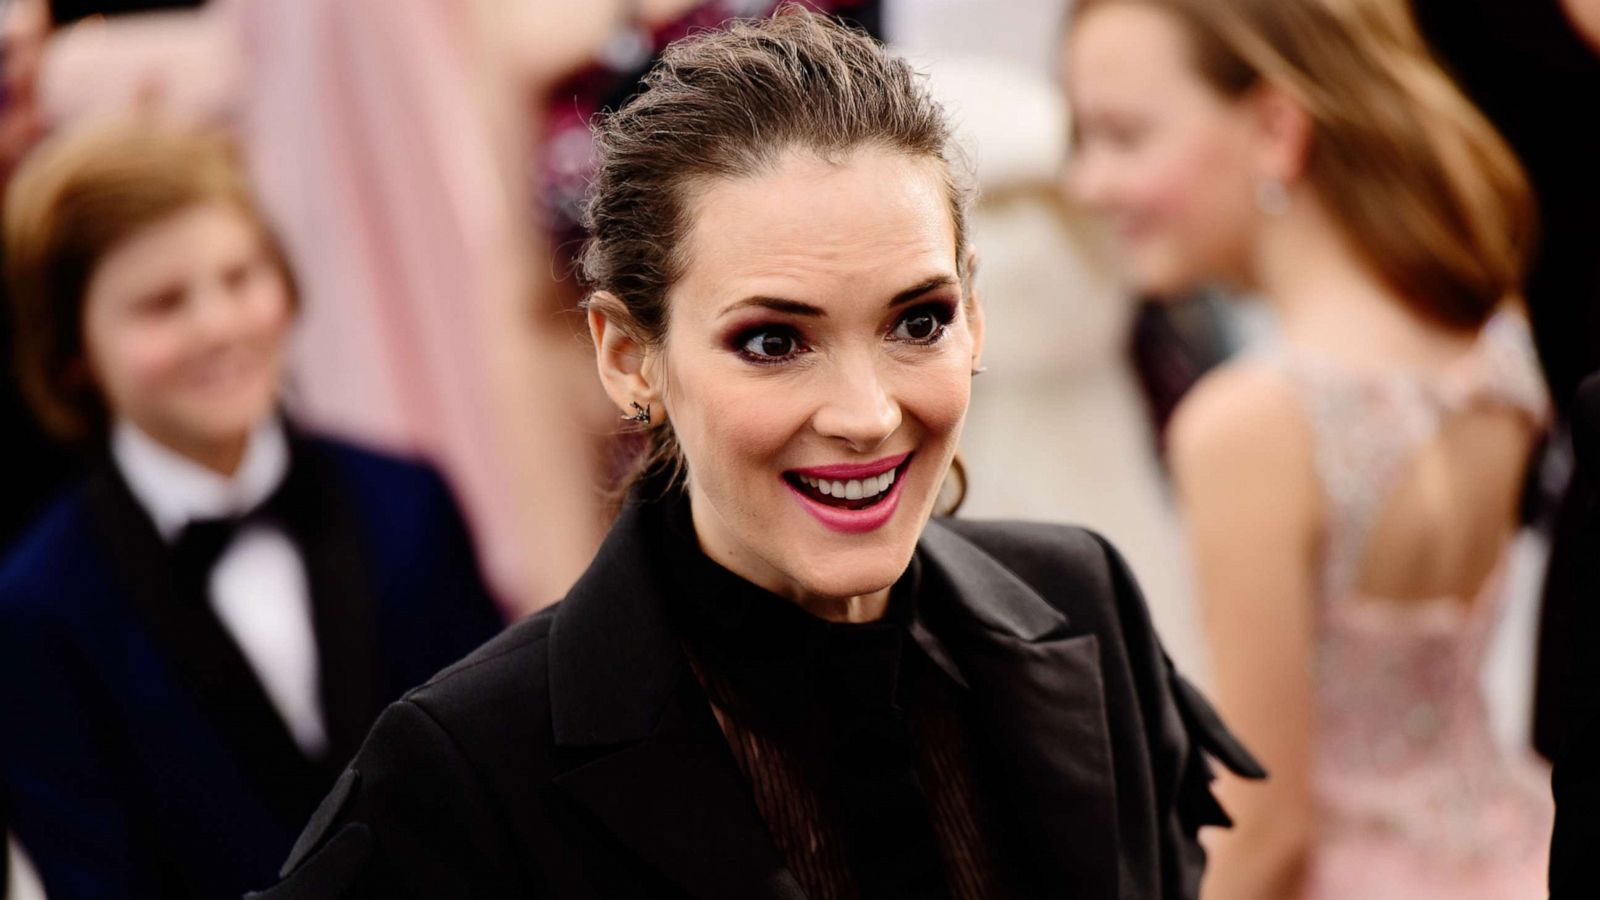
(1415, 799)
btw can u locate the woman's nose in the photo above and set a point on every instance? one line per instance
(858, 409)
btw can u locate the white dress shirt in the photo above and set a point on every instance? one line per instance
(259, 588)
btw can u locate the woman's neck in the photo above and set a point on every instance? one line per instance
(723, 547)
(1328, 299)
(866, 608)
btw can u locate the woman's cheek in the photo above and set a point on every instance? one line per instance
(731, 415)
(939, 400)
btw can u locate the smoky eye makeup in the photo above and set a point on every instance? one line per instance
(925, 323)
(921, 323)
(767, 343)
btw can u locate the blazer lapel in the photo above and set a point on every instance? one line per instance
(206, 659)
(658, 773)
(326, 533)
(1039, 691)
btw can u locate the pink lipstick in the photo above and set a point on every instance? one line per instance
(853, 498)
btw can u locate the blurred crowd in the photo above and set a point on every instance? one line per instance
(381, 200)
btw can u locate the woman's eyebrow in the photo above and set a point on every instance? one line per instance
(776, 304)
(912, 293)
(799, 308)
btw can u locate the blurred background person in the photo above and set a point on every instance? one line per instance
(194, 639)
(1350, 495)
(1058, 430)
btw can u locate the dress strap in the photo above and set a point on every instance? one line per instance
(1367, 428)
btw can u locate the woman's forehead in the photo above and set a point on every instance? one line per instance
(870, 220)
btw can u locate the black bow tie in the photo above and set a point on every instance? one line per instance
(202, 542)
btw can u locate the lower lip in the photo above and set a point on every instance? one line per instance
(854, 521)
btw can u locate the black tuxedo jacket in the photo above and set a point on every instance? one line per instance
(139, 754)
(1576, 782)
(576, 755)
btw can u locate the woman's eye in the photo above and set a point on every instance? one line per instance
(770, 344)
(923, 325)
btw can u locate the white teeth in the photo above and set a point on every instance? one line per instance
(853, 489)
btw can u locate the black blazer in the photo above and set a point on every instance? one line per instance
(1576, 781)
(576, 755)
(139, 755)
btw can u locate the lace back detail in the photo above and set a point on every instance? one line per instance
(1368, 428)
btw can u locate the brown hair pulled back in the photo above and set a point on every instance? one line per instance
(731, 103)
(1418, 180)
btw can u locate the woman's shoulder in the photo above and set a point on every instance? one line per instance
(1067, 565)
(1034, 546)
(427, 797)
(1251, 402)
(509, 671)
(1244, 431)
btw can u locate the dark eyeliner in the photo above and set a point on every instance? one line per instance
(943, 312)
(743, 336)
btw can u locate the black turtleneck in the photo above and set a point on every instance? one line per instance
(843, 700)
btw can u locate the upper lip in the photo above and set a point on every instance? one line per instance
(848, 471)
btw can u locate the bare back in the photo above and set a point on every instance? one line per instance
(1421, 472)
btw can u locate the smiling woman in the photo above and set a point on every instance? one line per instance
(780, 677)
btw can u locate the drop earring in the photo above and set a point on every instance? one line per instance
(641, 414)
(1272, 197)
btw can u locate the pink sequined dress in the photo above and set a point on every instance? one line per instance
(1415, 799)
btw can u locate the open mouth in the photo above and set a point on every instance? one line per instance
(861, 492)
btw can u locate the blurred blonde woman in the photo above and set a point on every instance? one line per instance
(1351, 494)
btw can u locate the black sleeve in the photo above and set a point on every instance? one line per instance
(408, 819)
(1184, 736)
(1576, 784)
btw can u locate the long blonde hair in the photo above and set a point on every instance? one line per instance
(1418, 180)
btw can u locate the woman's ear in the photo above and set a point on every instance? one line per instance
(1283, 133)
(974, 309)
(620, 356)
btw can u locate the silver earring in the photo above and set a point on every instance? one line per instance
(1272, 197)
(979, 370)
(641, 414)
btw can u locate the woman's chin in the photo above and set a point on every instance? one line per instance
(843, 581)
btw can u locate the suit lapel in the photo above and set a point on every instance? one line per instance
(659, 775)
(327, 535)
(206, 659)
(677, 800)
(1039, 693)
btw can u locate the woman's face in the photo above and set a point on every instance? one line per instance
(1166, 158)
(184, 326)
(817, 368)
